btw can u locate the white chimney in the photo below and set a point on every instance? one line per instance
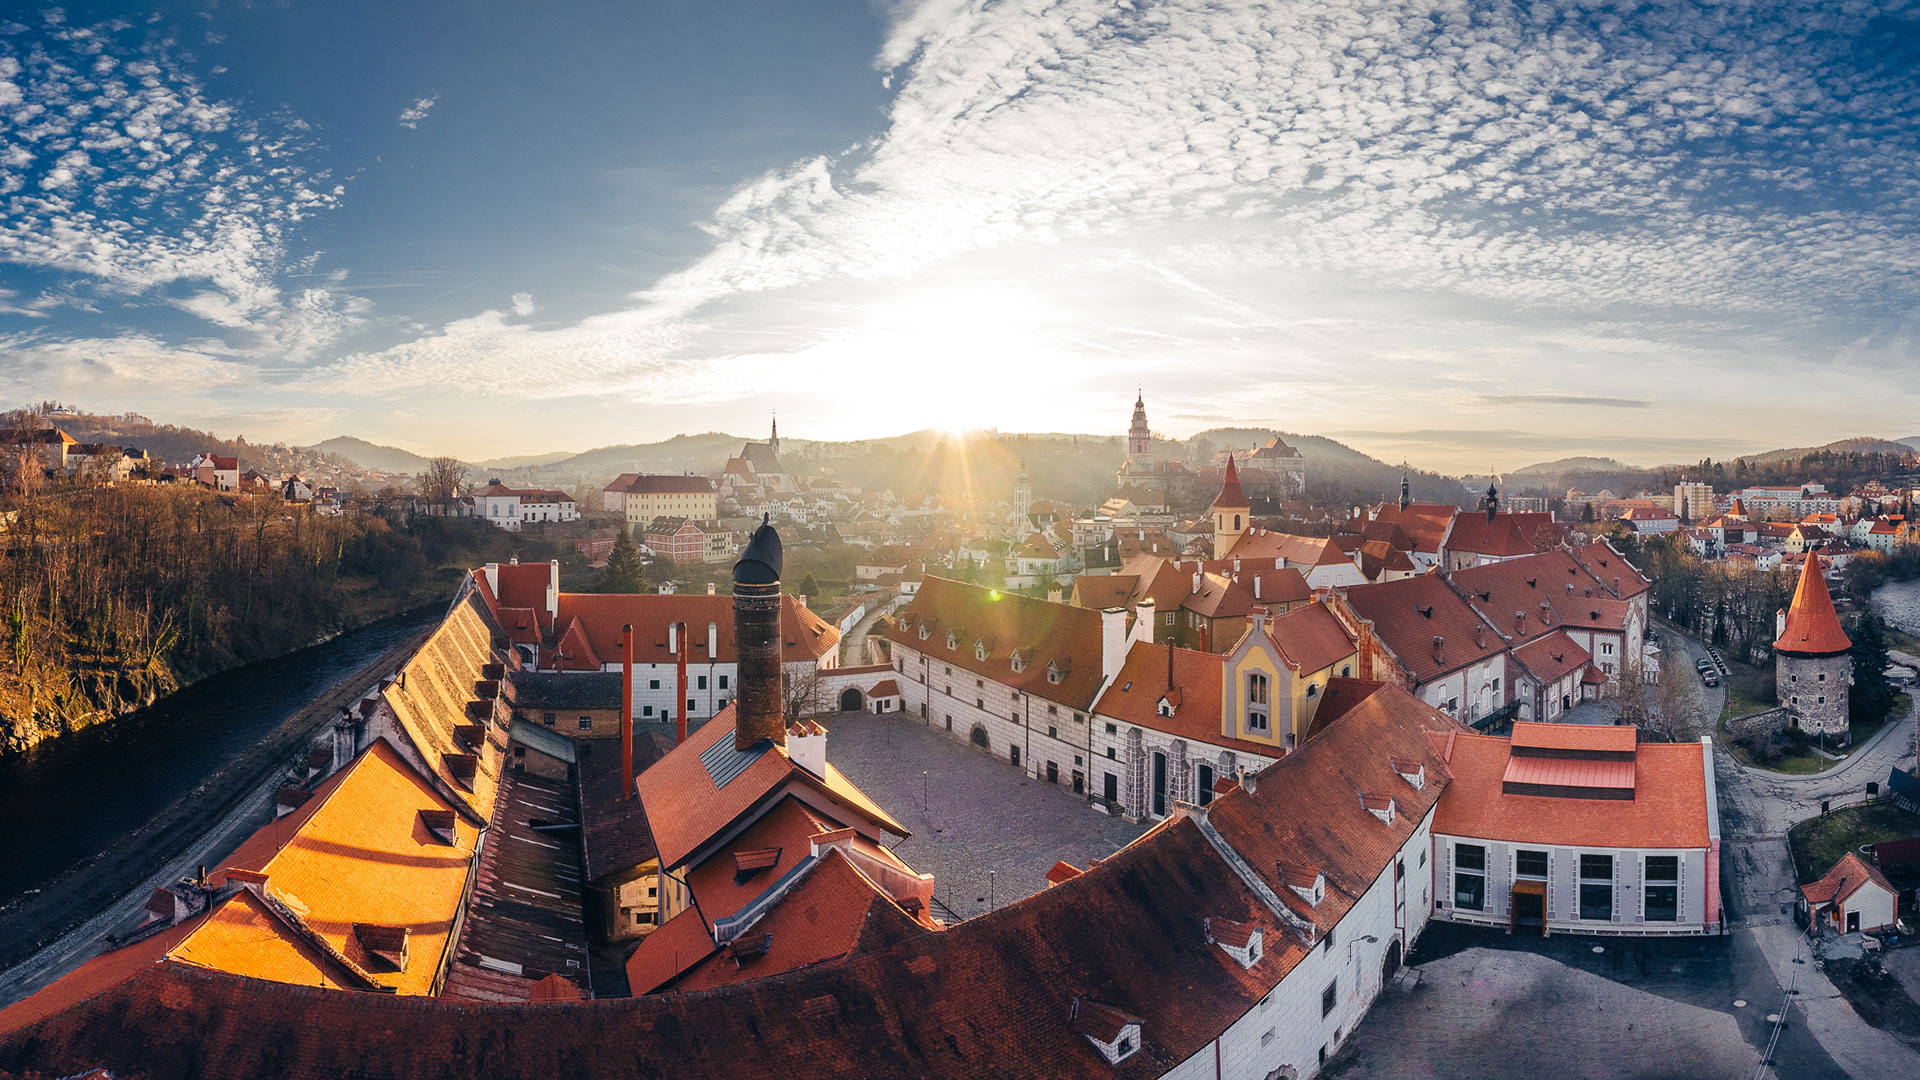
(673, 639)
(493, 577)
(1113, 641)
(709, 588)
(1779, 622)
(713, 640)
(807, 747)
(1143, 621)
(1256, 586)
(553, 589)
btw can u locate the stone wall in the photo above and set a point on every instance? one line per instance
(1814, 689)
(1772, 720)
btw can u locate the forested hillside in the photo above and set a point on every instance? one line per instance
(113, 596)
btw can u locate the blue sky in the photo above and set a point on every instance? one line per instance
(1474, 235)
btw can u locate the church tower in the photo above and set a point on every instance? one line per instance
(1230, 512)
(1406, 490)
(1022, 497)
(1139, 440)
(773, 441)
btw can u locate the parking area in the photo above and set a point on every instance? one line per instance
(986, 831)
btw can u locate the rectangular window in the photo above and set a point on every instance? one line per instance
(1470, 877)
(646, 710)
(700, 682)
(653, 684)
(1051, 733)
(1596, 887)
(723, 682)
(1530, 864)
(586, 723)
(547, 718)
(1328, 997)
(1663, 888)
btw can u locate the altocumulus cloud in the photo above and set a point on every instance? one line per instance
(411, 116)
(1687, 166)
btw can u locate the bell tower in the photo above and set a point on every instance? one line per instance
(1230, 512)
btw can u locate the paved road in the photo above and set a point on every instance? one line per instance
(1756, 809)
(854, 651)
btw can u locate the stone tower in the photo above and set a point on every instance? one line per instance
(1230, 512)
(1022, 496)
(773, 439)
(1139, 440)
(759, 705)
(1811, 669)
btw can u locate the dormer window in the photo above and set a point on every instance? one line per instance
(1242, 942)
(1380, 806)
(1057, 669)
(952, 642)
(1310, 885)
(925, 631)
(1112, 1032)
(1413, 772)
(979, 652)
(1166, 708)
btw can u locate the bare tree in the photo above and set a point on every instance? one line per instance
(1631, 700)
(442, 481)
(1679, 710)
(805, 696)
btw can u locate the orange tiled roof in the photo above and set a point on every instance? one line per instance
(805, 636)
(1510, 594)
(1610, 738)
(1846, 877)
(1552, 657)
(1310, 637)
(1230, 494)
(1668, 808)
(430, 700)
(1612, 571)
(1813, 627)
(1134, 695)
(1005, 622)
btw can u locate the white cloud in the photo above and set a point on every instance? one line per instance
(523, 303)
(411, 116)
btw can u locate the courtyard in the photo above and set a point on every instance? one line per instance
(986, 831)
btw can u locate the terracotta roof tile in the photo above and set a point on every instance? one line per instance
(1812, 627)
(1668, 808)
(1407, 614)
(1056, 632)
(1845, 878)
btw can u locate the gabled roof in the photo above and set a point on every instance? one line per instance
(1812, 626)
(1500, 537)
(1552, 657)
(1059, 633)
(1230, 497)
(1502, 589)
(1299, 550)
(1310, 637)
(1407, 614)
(430, 699)
(1846, 877)
(1135, 693)
(805, 636)
(1611, 570)
(704, 786)
(1303, 812)
(1425, 524)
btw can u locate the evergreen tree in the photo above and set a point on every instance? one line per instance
(624, 573)
(1872, 695)
(1586, 512)
(810, 588)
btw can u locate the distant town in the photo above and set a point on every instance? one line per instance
(1260, 763)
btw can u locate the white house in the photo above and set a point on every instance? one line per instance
(1852, 896)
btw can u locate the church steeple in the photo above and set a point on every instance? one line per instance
(1230, 511)
(773, 441)
(1406, 490)
(1491, 503)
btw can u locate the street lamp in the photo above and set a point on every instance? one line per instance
(1368, 938)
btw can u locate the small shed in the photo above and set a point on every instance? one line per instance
(1852, 896)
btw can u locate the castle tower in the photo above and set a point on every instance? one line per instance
(1811, 669)
(1230, 512)
(1139, 440)
(1406, 489)
(1022, 496)
(759, 706)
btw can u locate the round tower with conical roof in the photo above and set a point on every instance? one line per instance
(1812, 671)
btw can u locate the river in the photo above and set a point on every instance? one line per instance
(72, 796)
(1899, 604)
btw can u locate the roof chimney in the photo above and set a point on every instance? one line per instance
(1113, 641)
(626, 711)
(758, 711)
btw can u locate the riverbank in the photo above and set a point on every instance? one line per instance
(201, 819)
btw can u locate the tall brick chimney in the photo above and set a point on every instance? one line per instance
(758, 708)
(626, 711)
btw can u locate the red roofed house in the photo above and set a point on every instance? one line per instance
(1529, 598)
(1852, 896)
(1013, 675)
(684, 541)
(1419, 634)
(217, 472)
(580, 632)
(509, 508)
(1573, 828)
(1811, 665)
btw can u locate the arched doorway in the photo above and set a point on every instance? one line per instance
(1391, 964)
(850, 699)
(979, 737)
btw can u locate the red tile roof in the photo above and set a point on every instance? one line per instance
(1568, 773)
(686, 808)
(1303, 812)
(1500, 537)
(1611, 570)
(1407, 614)
(805, 636)
(1310, 637)
(1230, 495)
(1845, 878)
(1606, 738)
(1005, 622)
(1812, 627)
(1134, 696)
(430, 699)
(1668, 808)
(1552, 657)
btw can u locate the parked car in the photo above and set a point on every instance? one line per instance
(1709, 678)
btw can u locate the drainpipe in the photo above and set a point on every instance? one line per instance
(626, 712)
(680, 706)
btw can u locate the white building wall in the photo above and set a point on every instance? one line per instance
(1286, 1029)
(1563, 888)
(952, 699)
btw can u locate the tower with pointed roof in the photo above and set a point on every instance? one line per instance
(1139, 479)
(1812, 671)
(1406, 489)
(1230, 511)
(1022, 496)
(773, 440)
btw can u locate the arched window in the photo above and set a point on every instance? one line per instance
(1256, 701)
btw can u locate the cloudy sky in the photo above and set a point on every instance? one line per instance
(1473, 235)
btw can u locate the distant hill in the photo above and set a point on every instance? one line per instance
(1911, 440)
(1566, 465)
(390, 459)
(527, 461)
(1859, 444)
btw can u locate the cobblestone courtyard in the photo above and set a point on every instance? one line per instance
(970, 814)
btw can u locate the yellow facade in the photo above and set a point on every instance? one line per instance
(698, 505)
(1238, 689)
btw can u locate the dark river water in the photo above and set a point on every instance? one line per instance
(73, 796)
(1899, 604)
